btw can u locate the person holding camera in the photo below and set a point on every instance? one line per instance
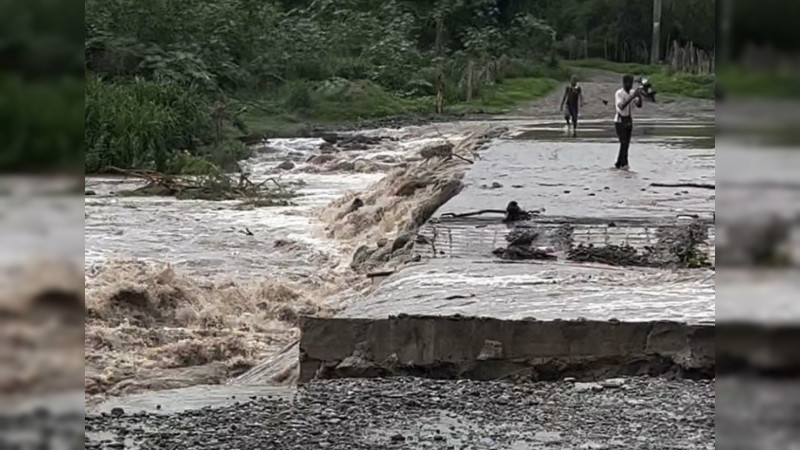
(624, 100)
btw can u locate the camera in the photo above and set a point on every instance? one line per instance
(647, 89)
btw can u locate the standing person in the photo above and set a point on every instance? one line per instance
(624, 100)
(573, 96)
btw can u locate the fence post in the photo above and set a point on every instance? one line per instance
(655, 52)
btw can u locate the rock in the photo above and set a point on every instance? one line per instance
(437, 151)
(386, 159)
(360, 257)
(355, 205)
(408, 188)
(398, 438)
(402, 241)
(327, 149)
(491, 350)
(286, 165)
(344, 166)
(90, 193)
(613, 383)
(363, 166)
(330, 138)
(588, 387)
(496, 185)
(569, 380)
(117, 412)
(319, 160)
(382, 242)
(548, 437)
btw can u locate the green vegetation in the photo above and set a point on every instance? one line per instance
(41, 86)
(172, 84)
(504, 96)
(40, 124)
(740, 82)
(664, 79)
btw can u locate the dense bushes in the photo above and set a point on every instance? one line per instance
(141, 123)
(40, 124)
(160, 66)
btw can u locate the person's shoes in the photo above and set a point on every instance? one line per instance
(625, 167)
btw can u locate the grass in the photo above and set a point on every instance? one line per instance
(156, 125)
(41, 123)
(504, 96)
(332, 104)
(664, 79)
(739, 82)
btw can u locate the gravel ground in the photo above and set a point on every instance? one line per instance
(404, 413)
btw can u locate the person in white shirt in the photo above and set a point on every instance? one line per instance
(624, 100)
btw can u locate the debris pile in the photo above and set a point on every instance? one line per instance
(521, 247)
(214, 186)
(677, 247)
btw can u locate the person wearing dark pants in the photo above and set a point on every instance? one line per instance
(624, 100)
(573, 98)
(624, 131)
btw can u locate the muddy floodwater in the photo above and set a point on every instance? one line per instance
(227, 282)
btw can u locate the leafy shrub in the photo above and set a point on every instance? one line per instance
(140, 123)
(297, 95)
(40, 124)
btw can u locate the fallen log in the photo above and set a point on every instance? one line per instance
(685, 185)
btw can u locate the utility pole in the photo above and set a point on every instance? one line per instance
(655, 52)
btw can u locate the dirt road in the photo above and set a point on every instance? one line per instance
(599, 85)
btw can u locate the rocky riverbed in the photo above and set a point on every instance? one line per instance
(420, 413)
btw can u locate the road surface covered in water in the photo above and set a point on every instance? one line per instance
(570, 180)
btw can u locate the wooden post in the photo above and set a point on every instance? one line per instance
(655, 52)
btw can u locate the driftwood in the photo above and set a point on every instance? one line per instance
(685, 185)
(213, 186)
(473, 213)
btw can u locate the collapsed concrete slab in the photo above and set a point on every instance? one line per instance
(495, 349)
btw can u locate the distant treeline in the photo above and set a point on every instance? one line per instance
(170, 80)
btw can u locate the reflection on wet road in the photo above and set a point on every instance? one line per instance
(576, 178)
